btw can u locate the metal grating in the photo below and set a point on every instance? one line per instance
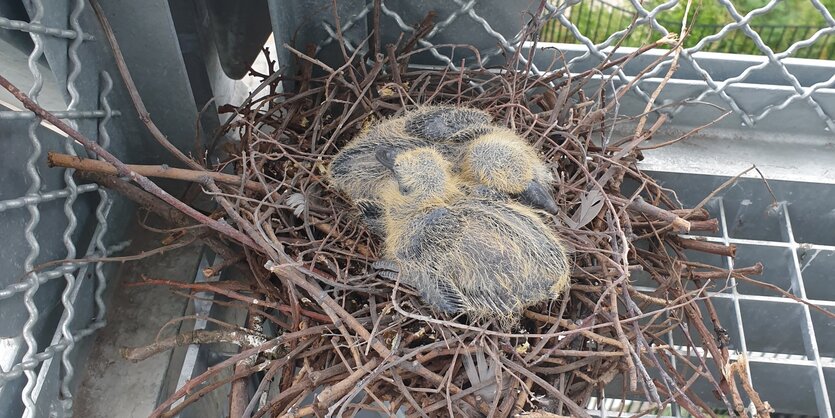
(37, 365)
(790, 347)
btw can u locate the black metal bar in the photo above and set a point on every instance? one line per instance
(811, 48)
(590, 6)
(732, 45)
(767, 37)
(782, 45)
(597, 26)
(609, 23)
(545, 33)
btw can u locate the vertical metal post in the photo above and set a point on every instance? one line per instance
(809, 340)
(34, 218)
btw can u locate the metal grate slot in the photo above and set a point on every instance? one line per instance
(817, 266)
(776, 267)
(790, 346)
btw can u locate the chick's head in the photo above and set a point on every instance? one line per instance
(503, 161)
(422, 175)
(497, 161)
(446, 123)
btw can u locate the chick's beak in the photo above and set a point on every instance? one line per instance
(386, 156)
(537, 196)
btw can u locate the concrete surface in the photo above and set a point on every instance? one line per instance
(112, 386)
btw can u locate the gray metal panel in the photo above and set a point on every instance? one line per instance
(111, 383)
(721, 66)
(14, 54)
(55, 48)
(148, 40)
(12, 12)
(459, 23)
(239, 30)
(63, 304)
(790, 143)
(304, 23)
(758, 96)
(49, 229)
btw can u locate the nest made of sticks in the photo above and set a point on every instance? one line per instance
(392, 351)
(322, 322)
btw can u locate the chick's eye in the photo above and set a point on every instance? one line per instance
(405, 189)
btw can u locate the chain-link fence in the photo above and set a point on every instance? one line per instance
(474, 23)
(49, 309)
(598, 19)
(774, 62)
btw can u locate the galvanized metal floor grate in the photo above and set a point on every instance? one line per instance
(790, 346)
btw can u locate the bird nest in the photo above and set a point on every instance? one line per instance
(378, 346)
(326, 335)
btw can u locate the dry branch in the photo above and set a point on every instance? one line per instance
(156, 206)
(707, 247)
(162, 171)
(678, 223)
(709, 225)
(756, 269)
(238, 337)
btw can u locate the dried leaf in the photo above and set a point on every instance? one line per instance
(590, 206)
(385, 92)
(297, 202)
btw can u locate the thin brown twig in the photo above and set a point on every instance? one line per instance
(55, 159)
(130, 86)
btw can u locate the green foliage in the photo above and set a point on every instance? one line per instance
(789, 22)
